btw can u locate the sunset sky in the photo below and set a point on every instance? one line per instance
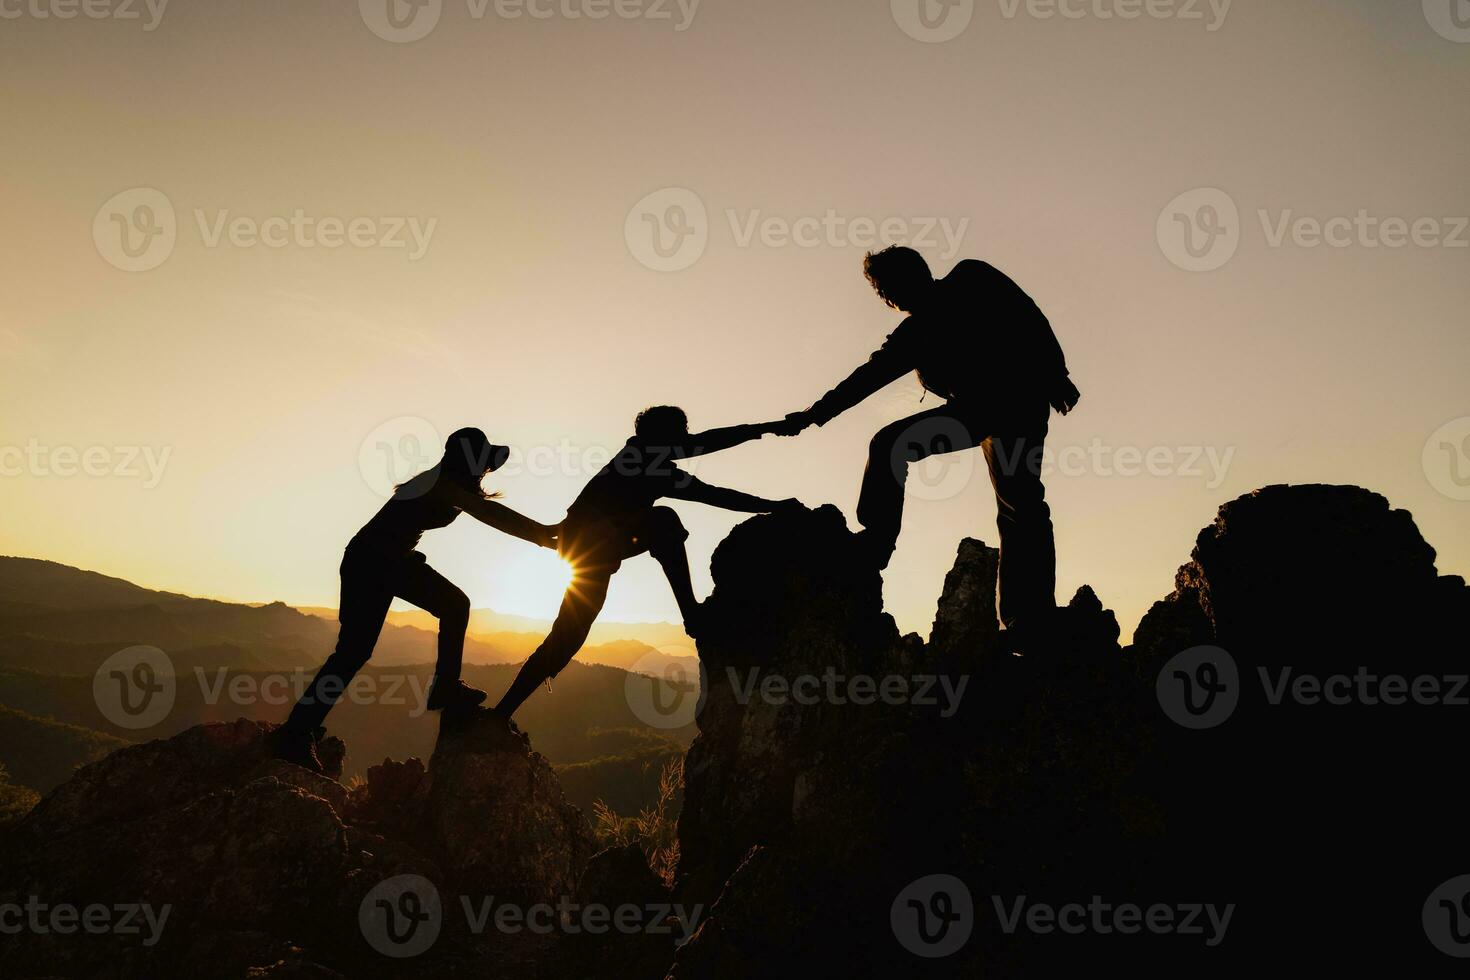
(534, 156)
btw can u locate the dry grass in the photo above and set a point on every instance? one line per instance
(654, 828)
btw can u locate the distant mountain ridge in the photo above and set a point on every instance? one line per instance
(59, 624)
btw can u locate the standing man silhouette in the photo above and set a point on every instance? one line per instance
(979, 342)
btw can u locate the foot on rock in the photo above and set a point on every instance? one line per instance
(297, 749)
(455, 697)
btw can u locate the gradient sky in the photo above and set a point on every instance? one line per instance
(264, 371)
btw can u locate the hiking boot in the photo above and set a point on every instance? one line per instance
(455, 696)
(297, 749)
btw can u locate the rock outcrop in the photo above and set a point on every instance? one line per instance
(861, 803)
(1061, 776)
(264, 866)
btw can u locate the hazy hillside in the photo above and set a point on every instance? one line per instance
(42, 754)
(232, 660)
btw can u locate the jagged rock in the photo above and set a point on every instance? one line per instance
(263, 865)
(966, 624)
(615, 878)
(1330, 587)
(771, 902)
(620, 874)
(488, 767)
(1290, 567)
(1056, 775)
(855, 800)
(793, 600)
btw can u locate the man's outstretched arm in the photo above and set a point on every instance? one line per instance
(690, 488)
(887, 365)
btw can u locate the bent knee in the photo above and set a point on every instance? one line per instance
(456, 608)
(664, 525)
(887, 438)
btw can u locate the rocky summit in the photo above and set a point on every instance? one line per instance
(1271, 759)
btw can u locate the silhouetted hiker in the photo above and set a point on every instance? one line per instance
(614, 518)
(380, 563)
(979, 342)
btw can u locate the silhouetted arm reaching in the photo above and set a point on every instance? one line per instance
(889, 363)
(690, 488)
(502, 518)
(714, 440)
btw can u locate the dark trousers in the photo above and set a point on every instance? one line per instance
(595, 551)
(370, 581)
(1012, 448)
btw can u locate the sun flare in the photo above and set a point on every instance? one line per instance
(532, 585)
